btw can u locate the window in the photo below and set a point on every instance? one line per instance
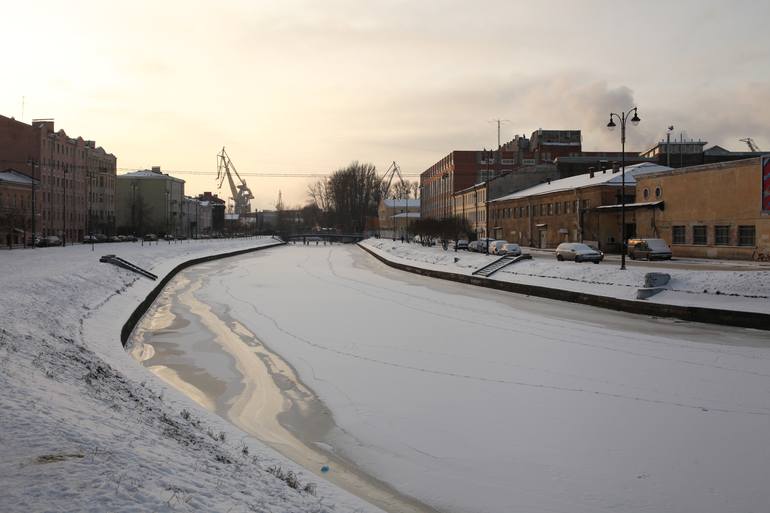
(586, 203)
(721, 235)
(658, 192)
(550, 209)
(699, 234)
(677, 235)
(646, 193)
(746, 235)
(566, 207)
(542, 209)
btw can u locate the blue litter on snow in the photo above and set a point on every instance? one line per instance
(325, 469)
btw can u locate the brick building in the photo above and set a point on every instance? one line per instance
(526, 160)
(567, 210)
(711, 211)
(74, 177)
(16, 212)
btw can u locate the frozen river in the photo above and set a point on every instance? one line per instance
(420, 393)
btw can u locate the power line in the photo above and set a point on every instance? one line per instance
(266, 174)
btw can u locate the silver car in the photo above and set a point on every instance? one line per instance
(495, 246)
(510, 249)
(578, 252)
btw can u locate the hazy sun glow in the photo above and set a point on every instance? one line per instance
(306, 87)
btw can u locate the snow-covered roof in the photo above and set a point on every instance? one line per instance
(401, 202)
(148, 174)
(15, 177)
(411, 215)
(581, 181)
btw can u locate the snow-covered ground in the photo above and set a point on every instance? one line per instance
(745, 290)
(83, 427)
(476, 400)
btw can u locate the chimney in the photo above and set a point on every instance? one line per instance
(591, 172)
(549, 180)
(156, 169)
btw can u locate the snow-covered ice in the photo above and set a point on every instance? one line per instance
(84, 428)
(475, 400)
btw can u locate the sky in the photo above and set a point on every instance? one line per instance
(302, 86)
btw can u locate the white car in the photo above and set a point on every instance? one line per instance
(510, 249)
(496, 245)
(578, 252)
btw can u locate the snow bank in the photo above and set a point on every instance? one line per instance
(747, 290)
(85, 428)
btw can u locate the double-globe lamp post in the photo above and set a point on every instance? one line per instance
(623, 117)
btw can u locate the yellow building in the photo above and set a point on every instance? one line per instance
(709, 211)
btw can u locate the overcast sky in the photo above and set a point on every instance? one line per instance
(308, 86)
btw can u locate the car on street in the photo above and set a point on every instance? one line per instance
(496, 245)
(89, 239)
(648, 249)
(578, 252)
(168, 236)
(510, 249)
(150, 237)
(129, 238)
(461, 244)
(50, 240)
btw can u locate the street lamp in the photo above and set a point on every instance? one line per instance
(32, 163)
(623, 117)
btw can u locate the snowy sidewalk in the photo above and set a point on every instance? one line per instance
(747, 291)
(85, 428)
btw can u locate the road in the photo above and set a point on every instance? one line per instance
(475, 400)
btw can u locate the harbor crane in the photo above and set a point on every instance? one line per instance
(751, 144)
(393, 171)
(241, 193)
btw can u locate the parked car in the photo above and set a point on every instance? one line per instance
(114, 238)
(649, 249)
(496, 245)
(50, 240)
(461, 244)
(578, 252)
(168, 236)
(150, 237)
(100, 237)
(510, 249)
(89, 239)
(129, 238)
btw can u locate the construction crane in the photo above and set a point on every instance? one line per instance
(393, 170)
(241, 193)
(751, 144)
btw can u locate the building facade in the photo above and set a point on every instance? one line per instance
(390, 213)
(568, 210)
(16, 212)
(150, 201)
(76, 179)
(711, 211)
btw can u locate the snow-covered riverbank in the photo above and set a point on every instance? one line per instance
(84, 428)
(747, 290)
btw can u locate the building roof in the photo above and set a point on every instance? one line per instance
(398, 203)
(412, 215)
(14, 177)
(149, 174)
(585, 180)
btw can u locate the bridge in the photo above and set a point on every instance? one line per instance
(325, 237)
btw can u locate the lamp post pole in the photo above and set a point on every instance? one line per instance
(64, 208)
(623, 117)
(34, 200)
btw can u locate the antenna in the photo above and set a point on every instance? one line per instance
(499, 122)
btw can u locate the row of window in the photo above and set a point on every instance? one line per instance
(721, 235)
(542, 209)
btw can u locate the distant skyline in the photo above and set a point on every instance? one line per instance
(295, 86)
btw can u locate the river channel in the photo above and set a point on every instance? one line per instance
(204, 352)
